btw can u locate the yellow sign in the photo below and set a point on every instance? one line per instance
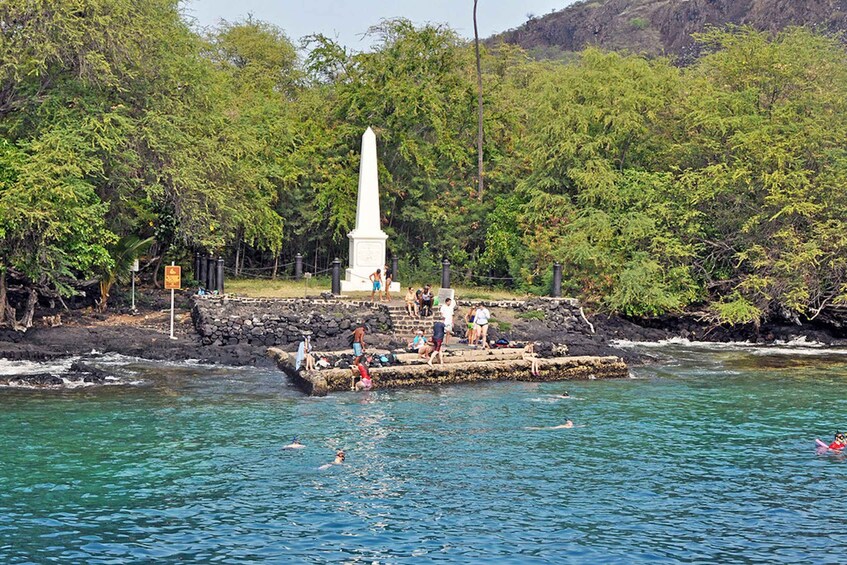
(172, 277)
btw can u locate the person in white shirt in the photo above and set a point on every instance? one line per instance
(481, 324)
(447, 311)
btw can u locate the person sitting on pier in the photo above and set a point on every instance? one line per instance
(530, 355)
(418, 342)
(427, 299)
(304, 354)
(438, 333)
(411, 303)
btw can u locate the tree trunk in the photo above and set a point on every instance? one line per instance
(105, 288)
(478, 101)
(7, 313)
(29, 310)
(276, 266)
(237, 254)
(159, 259)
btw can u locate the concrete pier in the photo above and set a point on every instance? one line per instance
(459, 367)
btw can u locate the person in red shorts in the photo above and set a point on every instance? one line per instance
(438, 333)
(839, 443)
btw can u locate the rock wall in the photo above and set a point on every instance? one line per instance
(271, 322)
(554, 320)
(228, 321)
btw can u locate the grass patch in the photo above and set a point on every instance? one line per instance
(531, 315)
(501, 325)
(264, 288)
(639, 23)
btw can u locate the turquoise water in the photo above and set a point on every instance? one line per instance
(706, 456)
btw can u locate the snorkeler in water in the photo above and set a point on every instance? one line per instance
(295, 444)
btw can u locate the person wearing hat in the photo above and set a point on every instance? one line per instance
(417, 343)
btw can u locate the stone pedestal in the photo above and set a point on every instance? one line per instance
(367, 254)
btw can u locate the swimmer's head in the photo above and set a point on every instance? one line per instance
(340, 454)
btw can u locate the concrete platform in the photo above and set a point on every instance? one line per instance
(469, 366)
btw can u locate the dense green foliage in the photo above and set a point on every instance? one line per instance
(718, 185)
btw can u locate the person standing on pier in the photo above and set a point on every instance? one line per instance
(389, 276)
(469, 318)
(447, 311)
(358, 342)
(438, 333)
(376, 279)
(483, 315)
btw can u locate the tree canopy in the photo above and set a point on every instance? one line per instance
(716, 186)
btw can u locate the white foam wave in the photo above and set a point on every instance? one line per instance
(56, 367)
(797, 346)
(60, 368)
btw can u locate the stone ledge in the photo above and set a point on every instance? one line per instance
(319, 383)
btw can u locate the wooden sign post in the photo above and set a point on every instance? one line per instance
(173, 280)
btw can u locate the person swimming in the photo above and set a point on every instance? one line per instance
(566, 426)
(839, 443)
(339, 460)
(295, 444)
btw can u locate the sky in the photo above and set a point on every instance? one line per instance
(346, 20)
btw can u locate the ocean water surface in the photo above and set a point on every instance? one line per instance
(706, 455)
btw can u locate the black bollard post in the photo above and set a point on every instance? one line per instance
(298, 267)
(394, 263)
(557, 280)
(197, 266)
(220, 275)
(210, 273)
(203, 277)
(336, 276)
(445, 273)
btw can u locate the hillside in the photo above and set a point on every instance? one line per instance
(664, 27)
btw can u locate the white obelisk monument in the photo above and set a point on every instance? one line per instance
(367, 240)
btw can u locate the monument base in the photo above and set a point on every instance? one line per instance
(358, 285)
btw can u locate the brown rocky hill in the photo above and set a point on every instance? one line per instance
(664, 27)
